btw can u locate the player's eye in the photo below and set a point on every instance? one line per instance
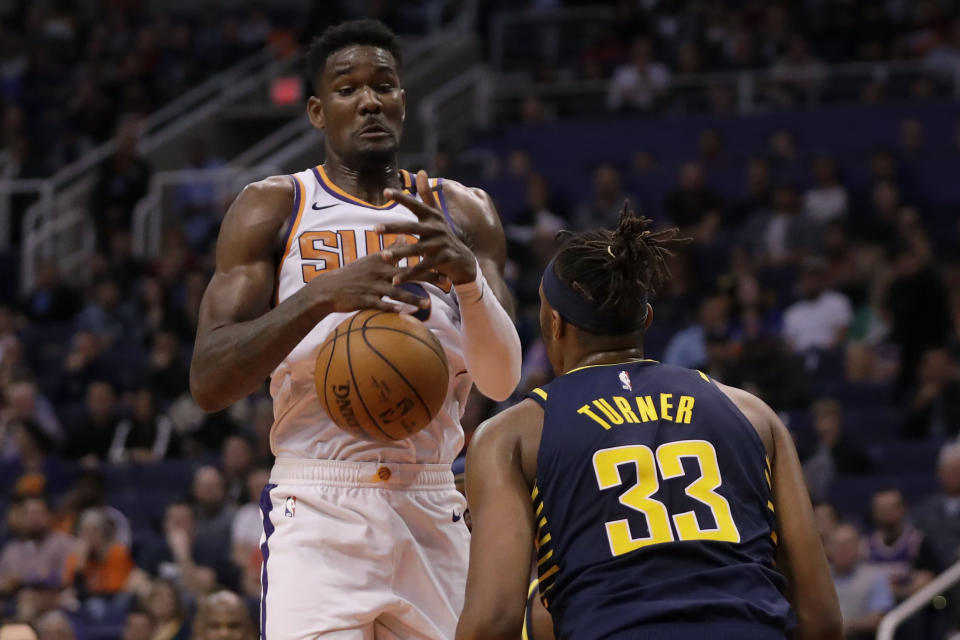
(345, 91)
(385, 88)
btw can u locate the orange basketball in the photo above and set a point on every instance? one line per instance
(381, 376)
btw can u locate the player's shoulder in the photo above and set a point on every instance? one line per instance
(513, 431)
(267, 201)
(758, 413)
(272, 189)
(469, 206)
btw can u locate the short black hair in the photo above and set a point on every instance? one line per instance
(355, 32)
(618, 269)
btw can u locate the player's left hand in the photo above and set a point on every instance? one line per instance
(441, 250)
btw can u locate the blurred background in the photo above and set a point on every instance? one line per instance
(811, 148)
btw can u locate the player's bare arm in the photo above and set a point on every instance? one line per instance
(240, 339)
(500, 468)
(491, 342)
(800, 554)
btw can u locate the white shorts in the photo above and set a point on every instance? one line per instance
(362, 551)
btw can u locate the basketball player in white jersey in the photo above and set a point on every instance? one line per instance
(362, 540)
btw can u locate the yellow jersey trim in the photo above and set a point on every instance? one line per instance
(328, 183)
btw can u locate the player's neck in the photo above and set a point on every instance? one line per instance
(591, 358)
(366, 184)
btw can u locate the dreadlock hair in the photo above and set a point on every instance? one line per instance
(354, 32)
(617, 270)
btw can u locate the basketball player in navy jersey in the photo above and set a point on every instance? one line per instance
(363, 540)
(662, 504)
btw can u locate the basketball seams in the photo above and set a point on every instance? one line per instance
(427, 344)
(394, 368)
(353, 379)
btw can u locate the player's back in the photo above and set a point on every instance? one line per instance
(654, 509)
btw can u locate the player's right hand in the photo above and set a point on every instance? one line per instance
(362, 284)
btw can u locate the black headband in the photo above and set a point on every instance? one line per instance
(579, 312)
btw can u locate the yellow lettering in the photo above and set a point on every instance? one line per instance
(685, 410)
(625, 409)
(665, 406)
(609, 411)
(585, 410)
(645, 408)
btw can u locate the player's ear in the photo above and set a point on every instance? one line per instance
(315, 113)
(403, 105)
(557, 325)
(649, 320)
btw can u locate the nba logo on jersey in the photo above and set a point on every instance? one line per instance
(625, 381)
(290, 507)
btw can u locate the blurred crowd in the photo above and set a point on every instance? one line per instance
(128, 511)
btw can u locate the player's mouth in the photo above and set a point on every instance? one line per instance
(374, 131)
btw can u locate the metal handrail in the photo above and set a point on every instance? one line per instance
(918, 601)
(500, 21)
(475, 79)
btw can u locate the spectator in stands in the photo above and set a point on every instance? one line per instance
(938, 516)
(98, 565)
(33, 459)
(919, 313)
(688, 347)
(24, 402)
(880, 226)
(165, 604)
(640, 85)
(863, 590)
(820, 318)
(55, 625)
(223, 616)
(82, 365)
(38, 556)
(167, 373)
(107, 316)
(934, 405)
(139, 625)
(236, 460)
(827, 200)
(145, 436)
(50, 301)
(781, 235)
(911, 137)
(92, 435)
(247, 528)
(827, 519)
(89, 492)
(692, 202)
(757, 197)
(835, 455)
(603, 210)
(213, 510)
(785, 157)
(898, 546)
(796, 74)
(182, 556)
(124, 179)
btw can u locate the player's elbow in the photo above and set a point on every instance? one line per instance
(204, 394)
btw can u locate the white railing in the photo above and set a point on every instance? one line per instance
(70, 187)
(917, 602)
(476, 84)
(68, 238)
(519, 26)
(751, 87)
(161, 201)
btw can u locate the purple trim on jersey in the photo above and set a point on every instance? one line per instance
(443, 204)
(340, 197)
(266, 506)
(297, 195)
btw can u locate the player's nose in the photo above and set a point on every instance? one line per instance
(369, 101)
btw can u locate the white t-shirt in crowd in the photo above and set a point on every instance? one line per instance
(812, 324)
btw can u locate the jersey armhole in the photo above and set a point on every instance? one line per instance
(538, 395)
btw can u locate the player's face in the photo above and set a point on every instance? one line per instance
(360, 105)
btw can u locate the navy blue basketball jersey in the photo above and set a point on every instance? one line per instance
(654, 509)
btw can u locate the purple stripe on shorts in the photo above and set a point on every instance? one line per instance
(266, 506)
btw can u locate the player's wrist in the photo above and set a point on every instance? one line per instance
(470, 282)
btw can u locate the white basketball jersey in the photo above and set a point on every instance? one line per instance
(331, 228)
